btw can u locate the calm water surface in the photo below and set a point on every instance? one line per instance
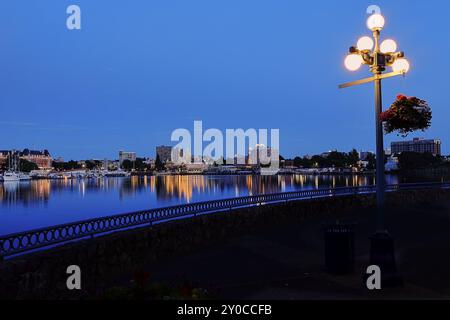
(39, 203)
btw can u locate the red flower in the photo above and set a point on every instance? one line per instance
(386, 115)
(407, 114)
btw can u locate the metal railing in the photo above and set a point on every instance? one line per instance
(21, 242)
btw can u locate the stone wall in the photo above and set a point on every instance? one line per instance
(105, 260)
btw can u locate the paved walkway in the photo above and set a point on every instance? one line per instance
(286, 261)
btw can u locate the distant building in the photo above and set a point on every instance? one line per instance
(164, 153)
(196, 167)
(124, 155)
(259, 154)
(432, 146)
(41, 158)
(4, 158)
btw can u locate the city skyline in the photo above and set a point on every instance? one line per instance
(417, 144)
(91, 92)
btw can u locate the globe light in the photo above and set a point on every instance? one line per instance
(365, 43)
(401, 65)
(375, 22)
(388, 46)
(353, 62)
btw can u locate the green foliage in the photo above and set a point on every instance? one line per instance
(27, 166)
(127, 165)
(353, 157)
(334, 159)
(159, 165)
(372, 163)
(92, 164)
(140, 165)
(70, 165)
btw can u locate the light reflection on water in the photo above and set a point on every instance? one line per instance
(39, 203)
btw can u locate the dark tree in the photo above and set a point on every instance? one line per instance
(159, 165)
(353, 158)
(91, 164)
(414, 160)
(371, 165)
(127, 164)
(140, 164)
(27, 166)
(61, 166)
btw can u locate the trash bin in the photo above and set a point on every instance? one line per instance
(339, 248)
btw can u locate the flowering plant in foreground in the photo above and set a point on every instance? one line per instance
(407, 114)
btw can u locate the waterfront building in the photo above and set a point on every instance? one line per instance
(418, 145)
(125, 155)
(3, 158)
(198, 167)
(164, 153)
(42, 158)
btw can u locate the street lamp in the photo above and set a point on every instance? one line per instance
(378, 56)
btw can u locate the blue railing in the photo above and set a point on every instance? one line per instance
(21, 242)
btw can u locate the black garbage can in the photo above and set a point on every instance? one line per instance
(340, 247)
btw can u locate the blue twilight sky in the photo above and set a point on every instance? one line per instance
(139, 69)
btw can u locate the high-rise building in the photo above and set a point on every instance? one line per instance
(432, 146)
(164, 153)
(125, 155)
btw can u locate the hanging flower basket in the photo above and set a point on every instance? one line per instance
(406, 115)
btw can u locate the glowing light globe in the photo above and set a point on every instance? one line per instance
(353, 62)
(401, 65)
(365, 43)
(388, 46)
(375, 22)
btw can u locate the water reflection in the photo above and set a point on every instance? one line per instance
(175, 187)
(37, 203)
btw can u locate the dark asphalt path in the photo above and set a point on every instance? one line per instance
(286, 261)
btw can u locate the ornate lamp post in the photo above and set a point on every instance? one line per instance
(378, 56)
